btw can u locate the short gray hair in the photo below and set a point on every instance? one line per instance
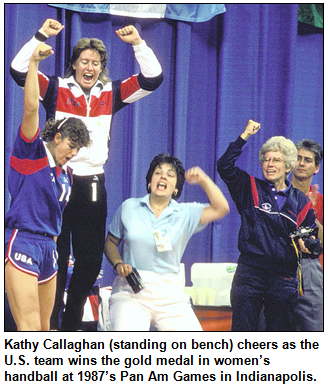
(285, 146)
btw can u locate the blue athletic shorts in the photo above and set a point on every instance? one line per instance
(32, 254)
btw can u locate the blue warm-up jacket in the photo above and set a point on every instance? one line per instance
(264, 239)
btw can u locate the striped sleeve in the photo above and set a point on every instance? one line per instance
(306, 216)
(149, 79)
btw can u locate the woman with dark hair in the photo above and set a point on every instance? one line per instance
(39, 185)
(154, 231)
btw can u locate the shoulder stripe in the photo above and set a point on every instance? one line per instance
(129, 87)
(254, 192)
(28, 166)
(301, 216)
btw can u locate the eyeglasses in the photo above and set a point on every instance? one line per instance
(275, 161)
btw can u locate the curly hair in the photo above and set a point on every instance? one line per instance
(177, 166)
(314, 147)
(285, 146)
(93, 44)
(71, 128)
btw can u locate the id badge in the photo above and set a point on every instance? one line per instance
(162, 240)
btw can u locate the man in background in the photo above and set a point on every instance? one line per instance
(309, 308)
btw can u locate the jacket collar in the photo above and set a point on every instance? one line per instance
(71, 83)
(283, 192)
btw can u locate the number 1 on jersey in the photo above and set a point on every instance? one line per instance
(94, 191)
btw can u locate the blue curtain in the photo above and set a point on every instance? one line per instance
(250, 62)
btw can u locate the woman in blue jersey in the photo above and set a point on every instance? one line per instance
(39, 185)
(155, 231)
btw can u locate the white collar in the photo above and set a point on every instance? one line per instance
(71, 82)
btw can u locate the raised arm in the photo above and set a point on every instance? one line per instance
(19, 65)
(30, 120)
(149, 64)
(51, 27)
(230, 173)
(129, 34)
(250, 129)
(219, 206)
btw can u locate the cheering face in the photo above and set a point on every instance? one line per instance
(64, 151)
(164, 180)
(274, 168)
(87, 69)
(305, 165)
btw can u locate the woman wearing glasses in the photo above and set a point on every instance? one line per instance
(270, 209)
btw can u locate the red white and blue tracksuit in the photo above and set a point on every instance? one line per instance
(266, 272)
(85, 215)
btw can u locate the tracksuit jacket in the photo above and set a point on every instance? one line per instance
(264, 240)
(63, 97)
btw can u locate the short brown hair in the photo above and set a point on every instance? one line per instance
(93, 44)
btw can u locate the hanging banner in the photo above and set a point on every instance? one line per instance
(311, 14)
(182, 12)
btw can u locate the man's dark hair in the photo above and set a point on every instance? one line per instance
(312, 146)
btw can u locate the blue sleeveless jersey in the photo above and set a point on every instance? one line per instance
(39, 190)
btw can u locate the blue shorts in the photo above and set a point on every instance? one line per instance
(32, 254)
